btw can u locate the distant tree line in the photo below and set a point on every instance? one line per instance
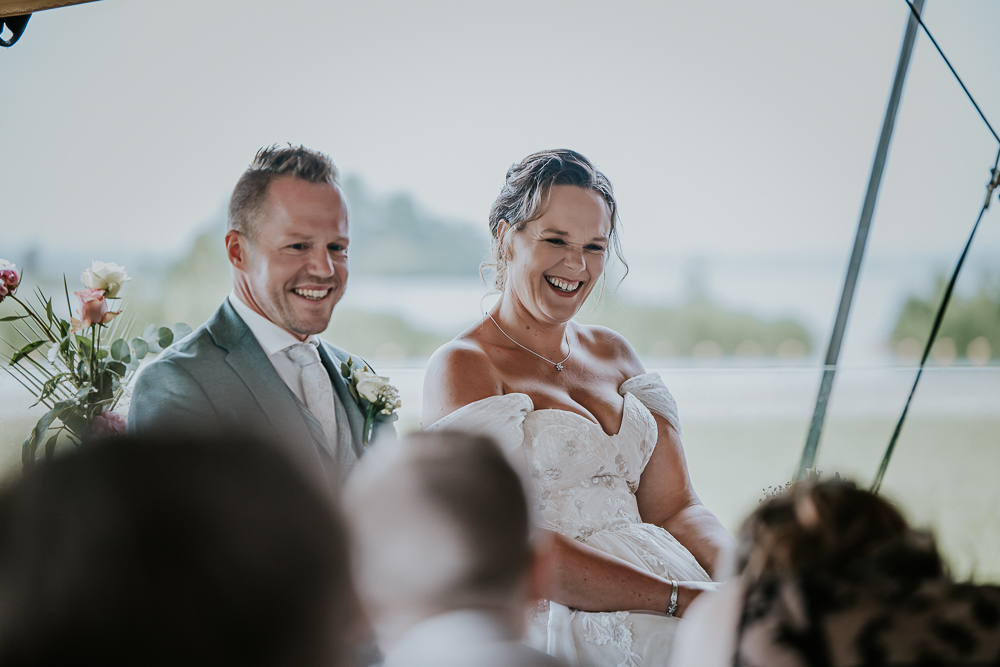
(970, 330)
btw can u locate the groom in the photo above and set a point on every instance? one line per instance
(256, 366)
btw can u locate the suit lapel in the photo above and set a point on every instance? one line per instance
(332, 358)
(248, 360)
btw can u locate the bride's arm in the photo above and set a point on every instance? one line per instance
(584, 578)
(666, 498)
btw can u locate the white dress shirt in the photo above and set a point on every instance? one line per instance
(274, 340)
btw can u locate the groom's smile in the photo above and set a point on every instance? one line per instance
(313, 294)
(294, 270)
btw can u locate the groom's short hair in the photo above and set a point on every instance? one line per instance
(251, 190)
(441, 520)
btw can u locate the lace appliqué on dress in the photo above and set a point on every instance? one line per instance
(611, 628)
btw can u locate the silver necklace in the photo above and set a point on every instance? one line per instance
(557, 364)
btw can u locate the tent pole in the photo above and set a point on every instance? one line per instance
(860, 240)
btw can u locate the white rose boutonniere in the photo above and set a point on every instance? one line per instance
(377, 399)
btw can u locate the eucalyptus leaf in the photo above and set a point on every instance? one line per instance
(117, 367)
(165, 338)
(25, 351)
(102, 354)
(140, 348)
(149, 333)
(120, 351)
(180, 330)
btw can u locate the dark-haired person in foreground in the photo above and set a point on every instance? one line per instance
(257, 365)
(830, 575)
(442, 554)
(172, 552)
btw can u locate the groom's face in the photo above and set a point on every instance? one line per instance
(295, 269)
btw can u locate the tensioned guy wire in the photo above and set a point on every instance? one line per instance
(938, 319)
(946, 297)
(947, 62)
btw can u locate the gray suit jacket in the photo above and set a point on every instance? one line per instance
(219, 381)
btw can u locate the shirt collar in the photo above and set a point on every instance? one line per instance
(270, 336)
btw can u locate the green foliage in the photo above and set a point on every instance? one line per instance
(687, 330)
(77, 376)
(967, 318)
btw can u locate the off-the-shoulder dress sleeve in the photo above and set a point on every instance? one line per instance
(651, 391)
(500, 417)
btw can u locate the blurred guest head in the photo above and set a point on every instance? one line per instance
(833, 529)
(830, 574)
(171, 552)
(440, 523)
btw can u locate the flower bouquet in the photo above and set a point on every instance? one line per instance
(78, 368)
(377, 399)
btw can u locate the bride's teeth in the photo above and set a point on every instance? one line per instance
(562, 285)
(314, 294)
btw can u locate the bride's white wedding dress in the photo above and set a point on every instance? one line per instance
(583, 486)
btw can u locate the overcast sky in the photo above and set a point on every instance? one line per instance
(728, 128)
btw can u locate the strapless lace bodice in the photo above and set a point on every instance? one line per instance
(584, 479)
(582, 484)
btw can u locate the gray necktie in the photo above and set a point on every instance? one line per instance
(317, 389)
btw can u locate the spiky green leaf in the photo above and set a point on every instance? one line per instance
(25, 351)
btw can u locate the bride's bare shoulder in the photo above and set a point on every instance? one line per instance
(611, 347)
(458, 373)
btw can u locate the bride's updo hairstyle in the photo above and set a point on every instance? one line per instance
(526, 193)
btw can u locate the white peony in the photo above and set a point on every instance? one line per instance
(106, 276)
(373, 388)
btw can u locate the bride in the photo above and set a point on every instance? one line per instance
(632, 545)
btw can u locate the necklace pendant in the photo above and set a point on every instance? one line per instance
(558, 367)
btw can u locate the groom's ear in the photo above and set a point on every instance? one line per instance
(236, 249)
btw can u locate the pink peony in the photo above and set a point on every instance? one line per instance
(108, 423)
(93, 309)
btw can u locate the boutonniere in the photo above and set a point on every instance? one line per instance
(377, 399)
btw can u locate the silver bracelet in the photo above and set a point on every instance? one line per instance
(672, 609)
